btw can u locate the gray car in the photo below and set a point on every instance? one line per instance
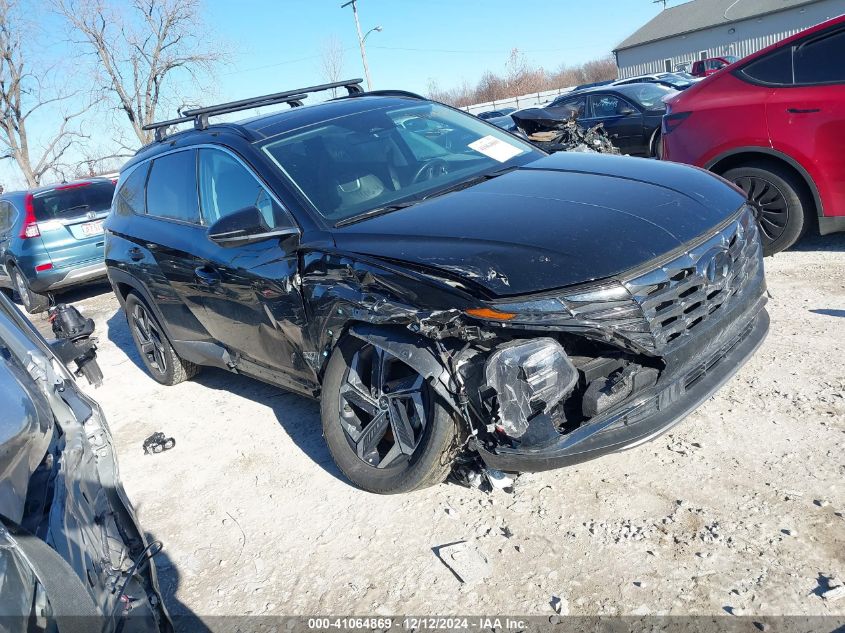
(72, 556)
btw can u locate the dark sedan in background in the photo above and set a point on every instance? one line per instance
(631, 114)
(495, 114)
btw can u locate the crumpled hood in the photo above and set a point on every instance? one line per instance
(561, 220)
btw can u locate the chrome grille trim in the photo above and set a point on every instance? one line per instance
(684, 292)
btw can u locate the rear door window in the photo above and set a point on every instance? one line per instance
(172, 187)
(574, 108)
(130, 196)
(72, 201)
(821, 60)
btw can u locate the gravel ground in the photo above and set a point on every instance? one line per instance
(740, 510)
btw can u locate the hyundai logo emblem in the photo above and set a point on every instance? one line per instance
(716, 266)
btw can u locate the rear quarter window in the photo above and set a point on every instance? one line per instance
(7, 214)
(130, 196)
(73, 200)
(774, 68)
(172, 187)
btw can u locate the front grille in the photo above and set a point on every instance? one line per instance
(685, 292)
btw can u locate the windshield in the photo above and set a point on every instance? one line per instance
(675, 80)
(369, 161)
(650, 96)
(73, 200)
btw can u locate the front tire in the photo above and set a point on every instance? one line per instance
(779, 200)
(159, 358)
(386, 428)
(32, 302)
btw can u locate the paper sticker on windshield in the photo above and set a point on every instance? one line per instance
(495, 148)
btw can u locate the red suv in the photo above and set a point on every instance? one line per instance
(706, 67)
(773, 124)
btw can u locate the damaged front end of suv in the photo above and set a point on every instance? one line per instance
(449, 291)
(535, 381)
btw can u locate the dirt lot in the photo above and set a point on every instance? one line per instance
(741, 509)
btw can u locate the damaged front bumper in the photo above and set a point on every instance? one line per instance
(655, 410)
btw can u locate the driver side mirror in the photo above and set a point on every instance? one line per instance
(625, 110)
(245, 226)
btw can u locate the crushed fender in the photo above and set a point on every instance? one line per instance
(556, 135)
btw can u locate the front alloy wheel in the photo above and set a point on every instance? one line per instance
(381, 407)
(385, 426)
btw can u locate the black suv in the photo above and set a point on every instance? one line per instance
(448, 290)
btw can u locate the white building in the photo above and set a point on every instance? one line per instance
(699, 29)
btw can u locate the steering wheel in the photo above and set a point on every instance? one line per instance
(430, 169)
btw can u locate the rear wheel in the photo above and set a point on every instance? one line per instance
(157, 354)
(657, 145)
(779, 201)
(32, 302)
(386, 428)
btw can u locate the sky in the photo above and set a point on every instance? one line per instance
(275, 45)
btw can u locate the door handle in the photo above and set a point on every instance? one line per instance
(803, 110)
(207, 276)
(135, 254)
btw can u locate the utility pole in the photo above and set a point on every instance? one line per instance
(360, 41)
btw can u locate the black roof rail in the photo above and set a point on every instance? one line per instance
(292, 97)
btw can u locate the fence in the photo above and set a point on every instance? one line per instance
(524, 101)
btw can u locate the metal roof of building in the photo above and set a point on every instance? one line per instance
(702, 14)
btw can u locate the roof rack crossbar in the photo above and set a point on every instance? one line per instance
(353, 86)
(201, 118)
(292, 97)
(161, 127)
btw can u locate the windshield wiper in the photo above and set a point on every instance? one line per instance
(475, 180)
(388, 208)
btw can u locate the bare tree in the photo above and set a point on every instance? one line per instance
(331, 60)
(602, 69)
(140, 49)
(23, 94)
(521, 78)
(518, 70)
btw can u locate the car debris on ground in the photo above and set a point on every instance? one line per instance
(158, 443)
(465, 560)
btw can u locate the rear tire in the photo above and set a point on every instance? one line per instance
(32, 302)
(780, 202)
(386, 466)
(657, 145)
(159, 358)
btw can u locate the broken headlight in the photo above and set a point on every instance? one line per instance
(608, 308)
(611, 300)
(528, 377)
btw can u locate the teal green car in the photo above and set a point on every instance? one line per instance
(51, 238)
